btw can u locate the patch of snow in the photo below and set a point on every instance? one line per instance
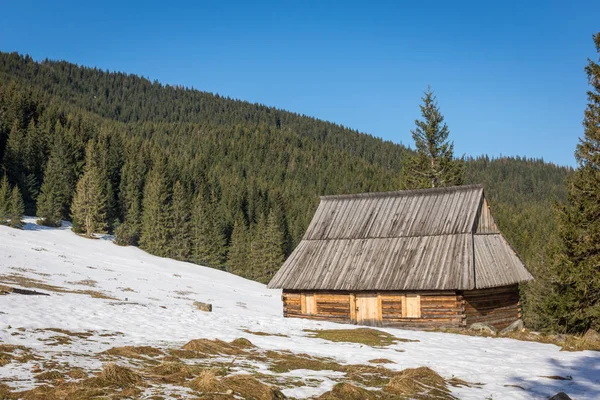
(155, 307)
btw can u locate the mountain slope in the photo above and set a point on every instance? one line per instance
(144, 300)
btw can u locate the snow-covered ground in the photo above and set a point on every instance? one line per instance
(155, 308)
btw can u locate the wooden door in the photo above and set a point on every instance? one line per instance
(413, 306)
(368, 309)
(308, 303)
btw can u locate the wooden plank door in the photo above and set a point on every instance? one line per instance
(308, 303)
(413, 306)
(368, 309)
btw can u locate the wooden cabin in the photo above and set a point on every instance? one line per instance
(412, 258)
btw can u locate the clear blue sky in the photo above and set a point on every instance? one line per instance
(508, 75)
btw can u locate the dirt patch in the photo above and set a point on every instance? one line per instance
(367, 336)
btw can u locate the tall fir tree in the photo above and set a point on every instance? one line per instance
(130, 196)
(4, 200)
(434, 164)
(180, 223)
(57, 188)
(16, 208)
(573, 300)
(88, 209)
(209, 242)
(154, 236)
(239, 248)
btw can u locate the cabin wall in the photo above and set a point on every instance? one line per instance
(498, 307)
(435, 309)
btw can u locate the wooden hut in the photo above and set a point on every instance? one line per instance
(431, 257)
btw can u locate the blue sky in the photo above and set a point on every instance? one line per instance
(508, 75)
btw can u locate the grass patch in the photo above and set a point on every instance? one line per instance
(347, 391)
(248, 387)
(381, 361)
(419, 383)
(286, 361)
(187, 354)
(138, 352)
(216, 346)
(366, 336)
(37, 284)
(589, 341)
(259, 333)
(85, 282)
(117, 376)
(49, 376)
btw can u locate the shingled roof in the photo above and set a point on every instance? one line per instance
(429, 239)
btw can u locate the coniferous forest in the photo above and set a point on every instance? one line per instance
(219, 182)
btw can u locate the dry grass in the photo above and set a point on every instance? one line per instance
(37, 284)
(381, 361)
(50, 376)
(117, 376)
(367, 336)
(566, 342)
(216, 346)
(347, 391)
(419, 383)
(259, 333)
(81, 335)
(85, 282)
(206, 382)
(285, 362)
(138, 352)
(248, 387)
(187, 354)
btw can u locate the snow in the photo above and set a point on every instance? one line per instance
(159, 312)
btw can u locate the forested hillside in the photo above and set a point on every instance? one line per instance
(220, 182)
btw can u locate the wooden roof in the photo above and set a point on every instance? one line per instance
(430, 239)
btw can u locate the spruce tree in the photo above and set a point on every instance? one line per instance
(16, 208)
(239, 248)
(154, 236)
(4, 200)
(180, 223)
(208, 239)
(57, 187)
(130, 197)
(89, 202)
(434, 164)
(573, 300)
(274, 242)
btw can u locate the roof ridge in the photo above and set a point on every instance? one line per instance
(398, 193)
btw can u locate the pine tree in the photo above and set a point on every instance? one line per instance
(57, 187)
(154, 236)
(180, 222)
(238, 255)
(573, 301)
(89, 202)
(130, 197)
(16, 208)
(273, 246)
(208, 239)
(4, 200)
(434, 164)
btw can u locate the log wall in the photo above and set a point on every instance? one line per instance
(498, 307)
(439, 309)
